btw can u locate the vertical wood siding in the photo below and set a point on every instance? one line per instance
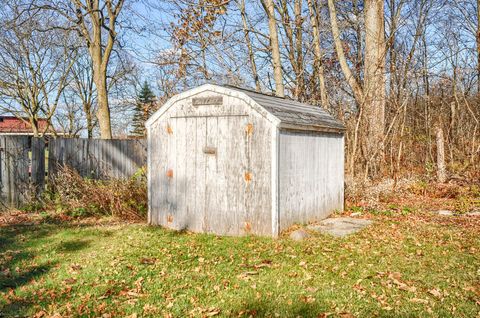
(311, 176)
(209, 173)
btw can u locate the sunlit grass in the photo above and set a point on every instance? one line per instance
(393, 268)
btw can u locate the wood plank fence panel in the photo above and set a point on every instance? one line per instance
(38, 169)
(14, 170)
(23, 170)
(98, 159)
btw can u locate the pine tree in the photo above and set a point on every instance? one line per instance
(144, 107)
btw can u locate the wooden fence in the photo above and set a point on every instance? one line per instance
(98, 159)
(24, 168)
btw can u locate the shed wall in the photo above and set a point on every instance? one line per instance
(311, 176)
(228, 192)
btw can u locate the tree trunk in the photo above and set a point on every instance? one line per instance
(300, 70)
(274, 44)
(318, 54)
(374, 84)
(34, 124)
(441, 170)
(478, 47)
(87, 109)
(352, 82)
(251, 55)
(103, 18)
(357, 12)
(392, 52)
(103, 112)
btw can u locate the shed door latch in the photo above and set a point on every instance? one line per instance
(210, 150)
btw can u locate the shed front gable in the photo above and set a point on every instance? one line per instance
(211, 164)
(184, 104)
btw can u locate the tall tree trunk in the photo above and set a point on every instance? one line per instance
(269, 7)
(351, 80)
(318, 53)
(251, 55)
(103, 112)
(426, 83)
(34, 125)
(99, 62)
(392, 52)
(478, 47)
(300, 71)
(357, 12)
(87, 109)
(374, 84)
(441, 170)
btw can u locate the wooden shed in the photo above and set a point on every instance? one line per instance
(231, 161)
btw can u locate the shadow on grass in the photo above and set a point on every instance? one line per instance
(73, 246)
(21, 247)
(17, 279)
(260, 308)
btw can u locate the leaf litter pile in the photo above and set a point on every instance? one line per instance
(405, 266)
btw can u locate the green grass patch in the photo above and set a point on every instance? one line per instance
(393, 268)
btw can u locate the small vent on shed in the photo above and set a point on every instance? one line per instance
(208, 100)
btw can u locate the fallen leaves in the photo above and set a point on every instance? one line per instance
(148, 260)
(418, 301)
(435, 292)
(308, 299)
(246, 275)
(149, 309)
(205, 312)
(155, 273)
(394, 279)
(70, 281)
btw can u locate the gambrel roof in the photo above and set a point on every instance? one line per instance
(285, 112)
(293, 113)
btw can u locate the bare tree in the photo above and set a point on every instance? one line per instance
(370, 97)
(431, 48)
(97, 24)
(374, 83)
(83, 91)
(34, 66)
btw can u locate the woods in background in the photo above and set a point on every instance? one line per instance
(403, 75)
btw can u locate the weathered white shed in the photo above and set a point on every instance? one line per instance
(231, 161)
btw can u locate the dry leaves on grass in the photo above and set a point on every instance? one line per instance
(435, 292)
(148, 260)
(16, 217)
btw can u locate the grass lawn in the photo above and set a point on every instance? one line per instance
(400, 266)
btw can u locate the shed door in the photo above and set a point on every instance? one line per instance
(211, 161)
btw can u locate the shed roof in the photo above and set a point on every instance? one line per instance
(286, 113)
(292, 113)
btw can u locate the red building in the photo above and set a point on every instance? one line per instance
(11, 125)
